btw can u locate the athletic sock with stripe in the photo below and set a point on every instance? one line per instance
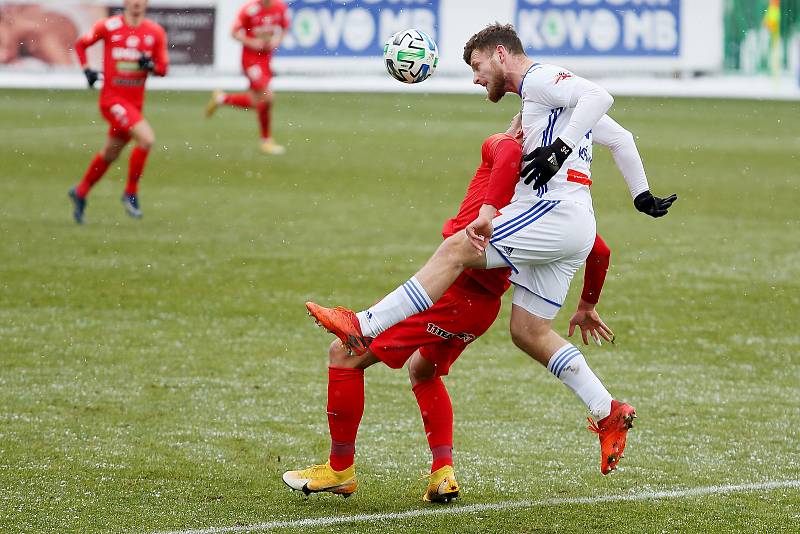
(569, 366)
(405, 301)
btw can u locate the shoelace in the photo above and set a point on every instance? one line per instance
(593, 426)
(316, 468)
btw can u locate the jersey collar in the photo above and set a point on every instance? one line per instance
(519, 91)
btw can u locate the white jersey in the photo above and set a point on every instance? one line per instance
(548, 102)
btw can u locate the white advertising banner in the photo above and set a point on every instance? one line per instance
(593, 36)
(345, 37)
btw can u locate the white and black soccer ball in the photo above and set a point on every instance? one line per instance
(411, 56)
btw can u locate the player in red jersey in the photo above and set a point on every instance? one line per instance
(134, 48)
(260, 26)
(432, 341)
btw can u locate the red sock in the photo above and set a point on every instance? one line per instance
(264, 109)
(135, 168)
(345, 408)
(97, 168)
(437, 416)
(238, 100)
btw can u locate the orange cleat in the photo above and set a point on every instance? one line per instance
(612, 431)
(342, 323)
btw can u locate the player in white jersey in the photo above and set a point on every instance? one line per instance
(544, 235)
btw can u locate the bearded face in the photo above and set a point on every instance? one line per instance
(488, 72)
(496, 87)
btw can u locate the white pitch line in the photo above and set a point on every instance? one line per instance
(508, 505)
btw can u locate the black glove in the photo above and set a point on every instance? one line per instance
(544, 162)
(146, 63)
(91, 77)
(653, 206)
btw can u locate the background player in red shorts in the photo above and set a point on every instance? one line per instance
(134, 48)
(434, 339)
(260, 27)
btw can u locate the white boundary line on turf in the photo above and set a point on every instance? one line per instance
(508, 505)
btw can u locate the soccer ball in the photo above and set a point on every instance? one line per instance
(411, 56)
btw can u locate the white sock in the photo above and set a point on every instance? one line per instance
(405, 301)
(569, 365)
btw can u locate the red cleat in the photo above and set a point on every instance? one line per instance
(613, 430)
(342, 323)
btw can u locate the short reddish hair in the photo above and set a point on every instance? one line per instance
(491, 36)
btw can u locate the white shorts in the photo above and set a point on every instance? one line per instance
(544, 242)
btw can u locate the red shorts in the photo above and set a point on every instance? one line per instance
(443, 331)
(122, 116)
(258, 71)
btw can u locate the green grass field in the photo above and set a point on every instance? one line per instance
(161, 374)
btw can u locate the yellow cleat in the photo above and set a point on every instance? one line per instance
(213, 102)
(271, 147)
(317, 478)
(442, 485)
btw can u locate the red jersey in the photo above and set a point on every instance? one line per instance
(493, 184)
(263, 22)
(124, 45)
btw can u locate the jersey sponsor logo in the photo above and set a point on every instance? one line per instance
(126, 82)
(563, 75)
(444, 334)
(114, 23)
(508, 250)
(125, 54)
(578, 177)
(149, 40)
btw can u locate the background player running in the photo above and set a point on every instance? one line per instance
(432, 341)
(133, 48)
(260, 26)
(544, 235)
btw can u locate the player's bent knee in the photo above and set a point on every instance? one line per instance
(146, 141)
(457, 250)
(338, 355)
(420, 369)
(528, 335)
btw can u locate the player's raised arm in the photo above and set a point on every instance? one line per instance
(608, 132)
(97, 32)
